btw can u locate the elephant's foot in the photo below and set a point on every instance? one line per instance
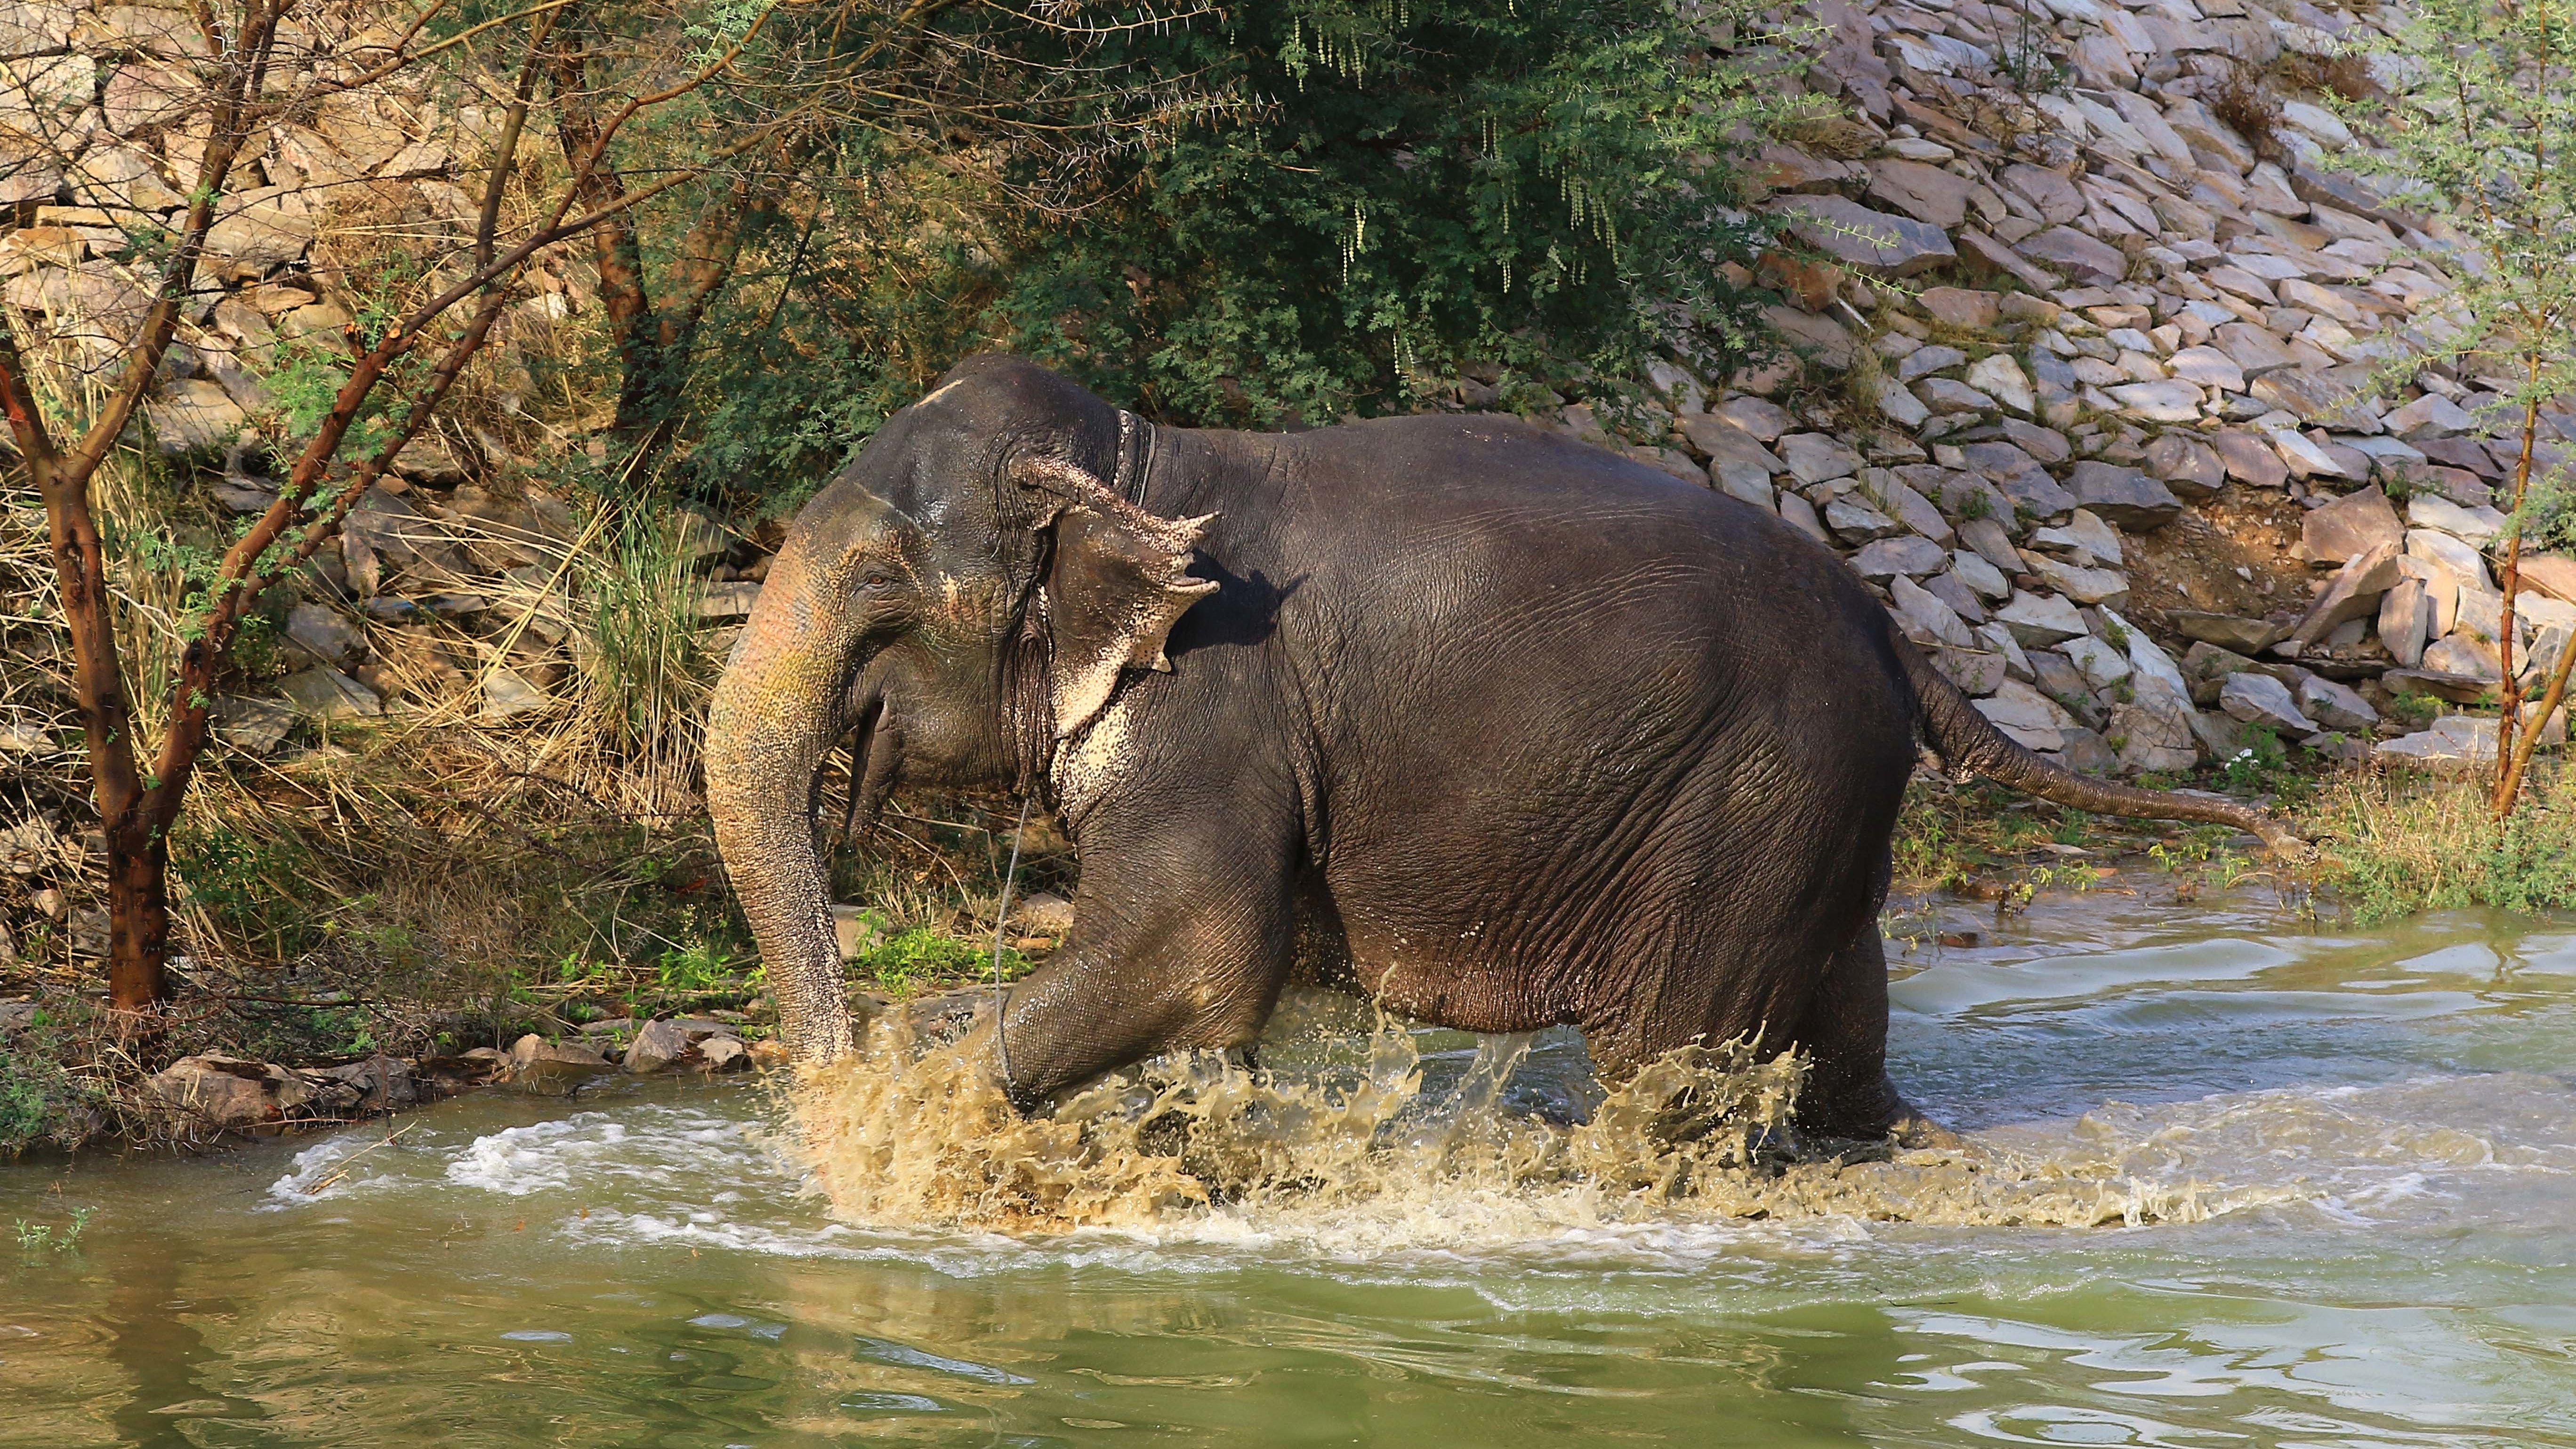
(1912, 1131)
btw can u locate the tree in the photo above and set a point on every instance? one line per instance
(2481, 130)
(260, 63)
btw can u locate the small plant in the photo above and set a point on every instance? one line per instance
(2240, 102)
(40, 1238)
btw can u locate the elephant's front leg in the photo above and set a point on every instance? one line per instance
(1181, 939)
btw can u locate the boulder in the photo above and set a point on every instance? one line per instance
(2352, 525)
(2454, 742)
(2207, 367)
(2124, 496)
(2336, 706)
(2170, 401)
(2249, 458)
(1926, 193)
(658, 1047)
(1961, 307)
(2476, 527)
(2430, 416)
(194, 415)
(222, 1091)
(1817, 457)
(550, 1068)
(2039, 620)
(1903, 555)
(2260, 699)
(326, 694)
(1977, 672)
(1865, 240)
(2154, 734)
(2551, 573)
(2002, 379)
(2405, 621)
(2352, 594)
(1855, 522)
(2186, 465)
(723, 1054)
(2032, 719)
(2228, 631)
(2314, 397)
(325, 633)
(2072, 250)
(2451, 559)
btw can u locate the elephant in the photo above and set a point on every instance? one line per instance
(1504, 730)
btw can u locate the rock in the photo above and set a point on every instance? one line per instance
(2352, 525)
(1948, 395)
(1900, 406)
(2254, 350)
(1855, 522)
(2046, 445)
(658, 1047)
(2155, 734)
(2207, 367)
(2101, 665)
(2476, 527)
(1818, 457)
(769, 1052)
(2170, 401)
(2124, 496)
(723, 1054)
(1799, 514)
(1960, 307)
(1904, 555)
(2250, 459)
(2083, 585)
(1866, 240)
(2352, 594)
(2460, 656)
(2553, 574)
(1760, 419)
(855, 931)
(1926, 193)
(327, 694)
(325, 633)
(2314, 397)
(508, 694)
(550, 1068)
(2260, 699)
(225, 1092)
(728, 601)
(2405, 621)
(2308, 458)
(259, 231)
(194, 415)
(1986, 254)
(2039, 620)
(2031, 718)
(1043, 913)
(1926, 617)
(2050, 192)
(2000, 378)
(2086, 753)
(2336, 706)
(2064, 246)
(2454, 742)
(1977, 672)
(2430, 416)
(2451, 558)
(256, 726)
(2457, 688)
(2187, 466)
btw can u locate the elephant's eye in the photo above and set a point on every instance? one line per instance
(873, 581)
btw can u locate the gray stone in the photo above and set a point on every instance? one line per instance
(1817, 457)
(1909, 508)
(2038, 620)
(1926, 617)
(2228, 631)
(723, 1054)
(2462, 656)
(2050, 192)
(2430, 416)
(2314, 397)
(1949, 395)
(2154, 733)
(2045, 445)
(1866, 240)
(2454, 742)
(2064, 246)
(258, 726)
(2125, 496)
(2308, 458)
(2254, 349)
(2170, 401)
(2476, 527)
(1960, 307)
(194, 415)
(1926, 193)
(508, 694)
(224, 1092)
(2186, 465)
(2336, 706)
(657, 1048)
(327, 694)
(1906, 554)
(2262, 700)
(1979, 574)
(1992, 543)
(2101, 665)
(2405, 621)
(2208, 367)
(2449, 556)
(2352, 594)
(1856, 522)
(550, 1068)
(2031, 718)
(1900, 406)
(2086, 753)
(728, 601)
(2351, 525)
(1924, 361)
(325, 633)
(2000, 378)
(2250, 458)
(1761, 419)
(2083, 585)
(1977, 672)
(1799, 514)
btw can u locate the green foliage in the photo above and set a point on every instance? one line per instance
(1372, 195)
(39, 1238)
(904, 963)
(2397, 844)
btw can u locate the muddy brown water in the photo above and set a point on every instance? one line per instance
(2332, 1178)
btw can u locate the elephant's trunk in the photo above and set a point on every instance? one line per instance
(775, 714)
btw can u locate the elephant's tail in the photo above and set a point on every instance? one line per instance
(1971, 745)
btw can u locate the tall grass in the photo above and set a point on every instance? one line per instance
(642, 671)
(2396, 843)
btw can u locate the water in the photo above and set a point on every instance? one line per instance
(2381, 1131)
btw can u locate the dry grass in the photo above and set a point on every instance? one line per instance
(2399, 842)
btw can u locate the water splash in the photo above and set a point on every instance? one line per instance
(911, 1133)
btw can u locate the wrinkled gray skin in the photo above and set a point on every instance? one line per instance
(1500, 729)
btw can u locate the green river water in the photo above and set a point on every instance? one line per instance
(2395, 1114)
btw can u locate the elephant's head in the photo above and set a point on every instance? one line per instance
(963, 595)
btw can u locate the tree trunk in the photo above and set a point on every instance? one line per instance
(138, 914)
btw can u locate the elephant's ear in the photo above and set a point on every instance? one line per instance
(1119, 580)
